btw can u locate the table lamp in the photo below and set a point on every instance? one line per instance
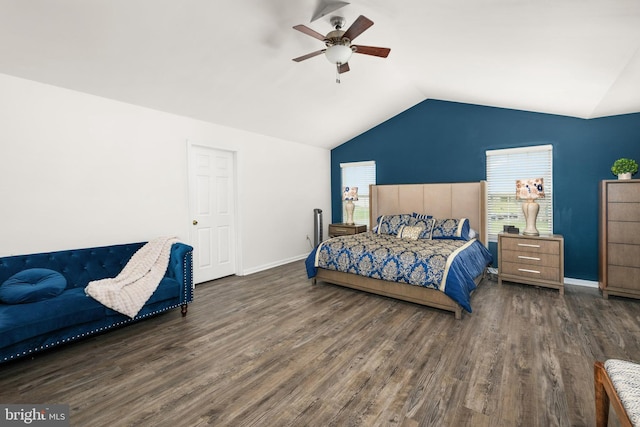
(530, 190)
(350, 195)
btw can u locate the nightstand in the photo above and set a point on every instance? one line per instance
(336, 230)
(532, 260)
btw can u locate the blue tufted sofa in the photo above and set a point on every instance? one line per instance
(30, 327)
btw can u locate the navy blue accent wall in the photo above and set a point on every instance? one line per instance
(440, 141)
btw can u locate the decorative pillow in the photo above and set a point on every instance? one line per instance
(390, 224)
(421, 216)
(472, 233)
(32, 285)
(409, 232)
(451, 228)
(425, 224)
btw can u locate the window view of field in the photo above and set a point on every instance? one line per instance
(360, 175)
(504, 168)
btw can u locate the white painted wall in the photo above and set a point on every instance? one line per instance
(78, 170)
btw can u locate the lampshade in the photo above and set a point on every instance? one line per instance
(350, 193)
(530, 189)
(338, 54)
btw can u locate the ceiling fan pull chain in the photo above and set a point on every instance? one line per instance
(338, 73)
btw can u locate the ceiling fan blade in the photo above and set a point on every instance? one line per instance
(309, 55)
(343, 68)
(308, 31)
(382, 52)
(358, 27)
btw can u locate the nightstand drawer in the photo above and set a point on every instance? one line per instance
(340, 231)
(531, 245)
(336, 230)
(530, 271)
(531, 258)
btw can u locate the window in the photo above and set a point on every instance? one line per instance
(361, 175)
(504, 167)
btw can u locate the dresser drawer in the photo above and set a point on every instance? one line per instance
(624, 277)
(624, 255)
(625, 192)
(624, 212)
(624, 232)
(530, 271)
(531, 258)
(531, 246)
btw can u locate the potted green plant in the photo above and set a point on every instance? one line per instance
(624, 168)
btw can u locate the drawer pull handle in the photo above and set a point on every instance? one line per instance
(529, 257)
(528, 245)
(528, 271)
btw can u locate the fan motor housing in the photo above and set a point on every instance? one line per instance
(335, 37)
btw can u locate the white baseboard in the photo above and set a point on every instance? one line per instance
(567, 280)
(272, 265)
(580, 282)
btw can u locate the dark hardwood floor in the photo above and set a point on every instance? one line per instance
(270, 349)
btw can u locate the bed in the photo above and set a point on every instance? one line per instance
(465, 258)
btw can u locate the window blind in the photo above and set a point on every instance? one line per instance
(361, 175)
(506, 166)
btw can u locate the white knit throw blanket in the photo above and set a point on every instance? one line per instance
(129, 291)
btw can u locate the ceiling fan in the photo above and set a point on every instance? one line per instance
(338, 43)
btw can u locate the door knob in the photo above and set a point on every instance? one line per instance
(195, 222)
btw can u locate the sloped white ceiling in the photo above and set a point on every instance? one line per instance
(230, 62)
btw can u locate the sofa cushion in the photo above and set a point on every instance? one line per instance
(32, 285)
(22, 321)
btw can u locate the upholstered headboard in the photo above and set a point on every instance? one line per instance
(451, 200)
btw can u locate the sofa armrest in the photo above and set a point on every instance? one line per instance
(180, 268)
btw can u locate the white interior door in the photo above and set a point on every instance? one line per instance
(212, 206)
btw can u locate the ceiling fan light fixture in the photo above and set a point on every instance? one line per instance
(338, 54)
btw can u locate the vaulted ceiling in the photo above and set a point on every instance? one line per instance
(230, 62)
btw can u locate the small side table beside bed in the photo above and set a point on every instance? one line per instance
(532, 260)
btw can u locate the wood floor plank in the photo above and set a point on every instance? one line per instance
(270, 349)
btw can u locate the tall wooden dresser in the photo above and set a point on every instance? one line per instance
(619, 243)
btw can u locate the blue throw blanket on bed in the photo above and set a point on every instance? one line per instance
(310, 264)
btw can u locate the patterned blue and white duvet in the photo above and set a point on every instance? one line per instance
(445, 264)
